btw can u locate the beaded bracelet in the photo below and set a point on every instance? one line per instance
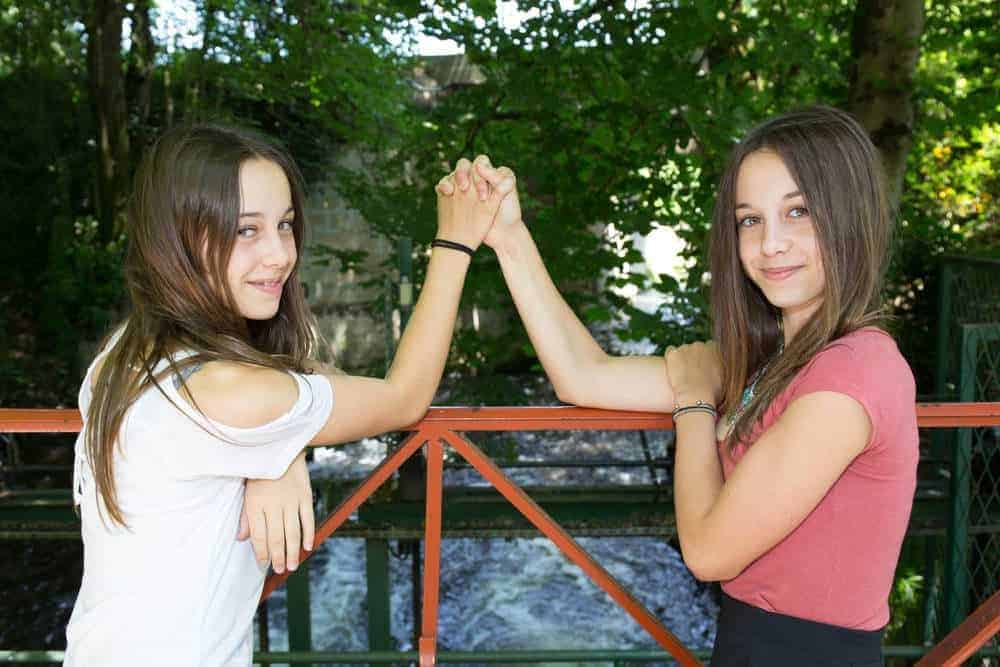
(700, 406)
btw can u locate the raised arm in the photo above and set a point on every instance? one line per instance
(580, 371)
(367, 406)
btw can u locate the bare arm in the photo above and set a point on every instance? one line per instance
(580, 371)
(366, 406)
(724, 525)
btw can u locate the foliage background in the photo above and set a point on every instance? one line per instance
(617, 117)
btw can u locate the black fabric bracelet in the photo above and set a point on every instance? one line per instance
(461, 247)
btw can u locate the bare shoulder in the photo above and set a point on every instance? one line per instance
(241, 395)
(316, 366)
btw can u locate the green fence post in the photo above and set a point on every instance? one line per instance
(299, 621)
(946, 324)
(377, 580)
(957, 578)
(405, 253)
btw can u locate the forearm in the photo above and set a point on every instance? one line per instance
(698, 483)
(562, 342)
(423, 349)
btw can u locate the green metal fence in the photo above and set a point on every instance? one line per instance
(968, 293)
(964, 569)
(972, 564)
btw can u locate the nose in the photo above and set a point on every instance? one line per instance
(775, 239)
(275, 251)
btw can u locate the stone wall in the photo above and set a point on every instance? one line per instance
(346, 311)
(348, 316)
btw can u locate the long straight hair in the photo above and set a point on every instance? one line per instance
(837, 168)
(182, 225)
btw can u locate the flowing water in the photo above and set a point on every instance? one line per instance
(499, 593)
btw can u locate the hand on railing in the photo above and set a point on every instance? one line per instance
(278, 516)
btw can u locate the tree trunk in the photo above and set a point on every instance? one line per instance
(193, 102)
(107, 92)
(139, 79)
(885, 45)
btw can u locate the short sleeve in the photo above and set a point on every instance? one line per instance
(262, 452)
(857, 366)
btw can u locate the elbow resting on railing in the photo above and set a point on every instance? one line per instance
(565, 393)
(573, 383)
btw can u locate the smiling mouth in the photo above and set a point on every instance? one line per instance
(780, 273)
(268, 286)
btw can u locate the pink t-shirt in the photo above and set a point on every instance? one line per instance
(837, 566)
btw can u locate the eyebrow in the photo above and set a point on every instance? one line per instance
(255, 214)
(790, 195)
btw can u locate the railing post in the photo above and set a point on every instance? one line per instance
(299, 621)
(377, 580)
(957, 581)
(432, 553)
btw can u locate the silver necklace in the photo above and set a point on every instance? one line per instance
(748, 393)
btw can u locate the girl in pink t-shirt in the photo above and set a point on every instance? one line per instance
(799, 496)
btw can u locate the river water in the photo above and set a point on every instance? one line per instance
(502, 593)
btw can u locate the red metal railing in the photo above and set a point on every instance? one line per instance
(442, 423)
(963, 641)
(441, 426)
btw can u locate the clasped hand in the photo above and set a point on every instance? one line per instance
(695, 373)
(278, 515)
(481, 181)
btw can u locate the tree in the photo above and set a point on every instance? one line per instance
(885, 47)
(314, 74)
(107, 96)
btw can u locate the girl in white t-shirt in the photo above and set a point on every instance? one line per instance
(209, 382)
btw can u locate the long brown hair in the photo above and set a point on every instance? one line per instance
(182, 226)
(837, 168)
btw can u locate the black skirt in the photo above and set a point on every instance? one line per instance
(751, 637)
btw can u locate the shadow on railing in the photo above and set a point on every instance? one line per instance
(441, 426)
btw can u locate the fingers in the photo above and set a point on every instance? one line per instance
(482, 186)
(258, 536)
(293, 538)
(507, 183)
(276, 540)
(446, 186)
(462, 177)
(244, 530)
(502, 179)
(308, 519)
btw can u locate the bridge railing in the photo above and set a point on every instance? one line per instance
(443, 427)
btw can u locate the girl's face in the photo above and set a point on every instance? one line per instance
(779, 250)
(264, 253)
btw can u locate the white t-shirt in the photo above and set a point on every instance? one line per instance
(175, 587)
